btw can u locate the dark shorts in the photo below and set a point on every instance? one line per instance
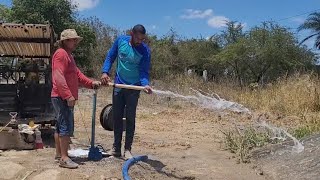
(64, 117)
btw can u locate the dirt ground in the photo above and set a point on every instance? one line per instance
(181, 141)
(280, 162)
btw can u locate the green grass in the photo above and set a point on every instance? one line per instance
(307, 130)
(242, 143)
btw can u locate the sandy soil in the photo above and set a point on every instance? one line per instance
(181, 141)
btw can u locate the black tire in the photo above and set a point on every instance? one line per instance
(106, 118)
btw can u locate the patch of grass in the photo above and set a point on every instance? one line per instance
(242, 143)
(291, 96)
(302, 132)
(307, 129)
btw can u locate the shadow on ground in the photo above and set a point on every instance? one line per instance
(159, 167)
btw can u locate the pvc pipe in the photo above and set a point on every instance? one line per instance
(124, 86)
(130, 162)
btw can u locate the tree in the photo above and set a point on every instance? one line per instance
(103, 40)
(5, 13)
(312, 23)
(84, 52)
(232, 33)
(275, 52)
(165, 55)
(231, 39)
(265, 53)
(59, 13)
(233, 57)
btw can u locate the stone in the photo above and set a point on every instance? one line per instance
(9, 170)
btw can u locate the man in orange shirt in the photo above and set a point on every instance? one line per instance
(66, 77)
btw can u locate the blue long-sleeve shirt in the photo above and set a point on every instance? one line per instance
(133, 62)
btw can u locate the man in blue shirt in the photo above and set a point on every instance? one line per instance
(133, 64)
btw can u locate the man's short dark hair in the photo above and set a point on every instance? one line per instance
(139, 29)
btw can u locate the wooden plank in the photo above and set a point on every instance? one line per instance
(21, 56)
(27, 40)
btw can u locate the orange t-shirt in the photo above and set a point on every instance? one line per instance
(66, 76)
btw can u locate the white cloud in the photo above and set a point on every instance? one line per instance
(214, 21)
(85, 4)
(196, 14)
(153, 27)
(217, 21)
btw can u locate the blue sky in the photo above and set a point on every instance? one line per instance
(196, 18)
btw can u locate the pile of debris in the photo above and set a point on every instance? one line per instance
(25, 137)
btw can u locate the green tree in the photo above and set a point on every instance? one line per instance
(232, 57)
(84, 52)
(312, 23)
(103, 40)
(274, 52)
(232, 33)
(59, 13)
(265, 53)
(165, 55)
(5, 13)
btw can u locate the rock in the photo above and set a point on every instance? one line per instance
(9, 170)
(87, 176)
(51, 174)
(259, 171)
(12, 139)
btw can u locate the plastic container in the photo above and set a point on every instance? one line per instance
(38, 141)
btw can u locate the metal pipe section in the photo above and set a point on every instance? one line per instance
(93, 117)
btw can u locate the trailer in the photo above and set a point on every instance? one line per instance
(25, 74)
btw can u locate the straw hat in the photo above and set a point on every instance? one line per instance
(69, 34)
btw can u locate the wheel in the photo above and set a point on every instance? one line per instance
(106, 118)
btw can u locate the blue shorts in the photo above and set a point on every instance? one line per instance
(64, 117)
